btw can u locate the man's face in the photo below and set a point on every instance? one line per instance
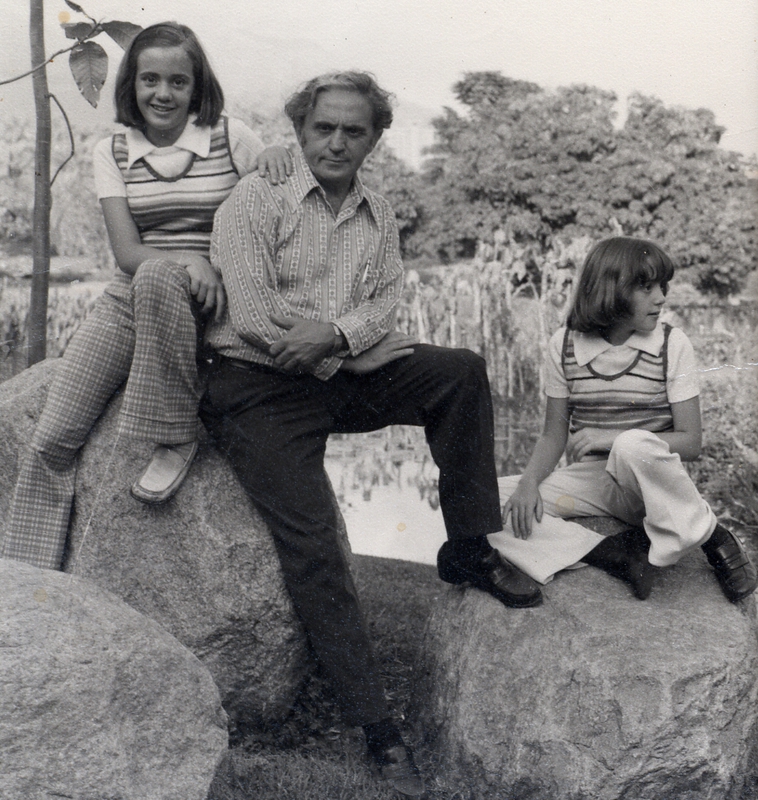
(337, 136)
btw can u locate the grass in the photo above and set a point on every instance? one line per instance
(68, 305)
(312, 755)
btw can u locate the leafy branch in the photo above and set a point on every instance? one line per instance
(70, 138)
(88, 60)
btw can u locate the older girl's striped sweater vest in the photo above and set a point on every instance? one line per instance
(177, 213)
(633, 398)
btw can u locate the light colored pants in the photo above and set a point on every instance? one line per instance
(142, 331)
(641, 483)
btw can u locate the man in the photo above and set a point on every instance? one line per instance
(312, 273)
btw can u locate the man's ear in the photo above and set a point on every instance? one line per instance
(375, 141)
(299, 133)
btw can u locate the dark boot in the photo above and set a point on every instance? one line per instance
(624, 556)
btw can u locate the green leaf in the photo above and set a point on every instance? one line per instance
(121, 32)
(75, 7)
(89, 66)
(77, 30)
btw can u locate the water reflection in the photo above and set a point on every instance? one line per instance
(386, 483)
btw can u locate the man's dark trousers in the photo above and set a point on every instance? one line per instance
(273, 427)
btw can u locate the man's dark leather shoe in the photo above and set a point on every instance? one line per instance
(734, 570)
(492, 574)
(395, 765)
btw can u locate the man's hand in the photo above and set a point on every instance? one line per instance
(524, 505)
(305, 344)
(590, 442)
(205, 285)
(393, 346)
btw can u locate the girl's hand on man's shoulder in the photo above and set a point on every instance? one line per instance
(275, 164)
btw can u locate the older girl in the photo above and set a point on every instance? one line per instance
(159, 184)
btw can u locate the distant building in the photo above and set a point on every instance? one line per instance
(409, 141)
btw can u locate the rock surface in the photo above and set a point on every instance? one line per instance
(595, 694)
(97, 701)
(203, 565)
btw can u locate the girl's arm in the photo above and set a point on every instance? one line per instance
(526, 503)
(249, 154)
(205, 284)
(687, 436)
(685, 439)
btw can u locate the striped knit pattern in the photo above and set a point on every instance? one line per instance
(281, 250)
(177, 213)
(633, 398)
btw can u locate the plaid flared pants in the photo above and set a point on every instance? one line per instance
(141, 332)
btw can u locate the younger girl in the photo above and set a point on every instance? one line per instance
(622, 402)
(159, 185)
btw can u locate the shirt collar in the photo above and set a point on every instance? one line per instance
(588, 346)
(196, 139)
(305, 182)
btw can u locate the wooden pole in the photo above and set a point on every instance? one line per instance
(37, 325)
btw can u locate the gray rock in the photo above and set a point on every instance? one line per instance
(96, 700)
(203, 565)
(595, 694)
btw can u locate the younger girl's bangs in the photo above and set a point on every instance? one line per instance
(649, 265)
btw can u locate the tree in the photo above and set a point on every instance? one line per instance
(386, 174)
(37, 328)
(522, 161)
(545, 166)
(89, 66)
(76, 224)
(16, 181)
(670, 181)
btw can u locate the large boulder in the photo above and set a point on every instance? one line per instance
(203, 565)
(595, 694)
(98, 701)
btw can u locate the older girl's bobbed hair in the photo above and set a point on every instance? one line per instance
(303, 102)
(207, 99)
(611, 272)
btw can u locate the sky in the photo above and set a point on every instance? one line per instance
(692, 53)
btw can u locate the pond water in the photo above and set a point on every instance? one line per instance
(386, 486)
(392, 512)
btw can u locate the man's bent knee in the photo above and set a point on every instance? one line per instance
(458, 363)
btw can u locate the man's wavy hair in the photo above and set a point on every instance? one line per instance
(207, 98)
(611, 272)
(304, 101)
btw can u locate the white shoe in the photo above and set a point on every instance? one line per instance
(164, 474)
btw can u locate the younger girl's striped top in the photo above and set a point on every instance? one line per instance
(635, 397)
(621, 387)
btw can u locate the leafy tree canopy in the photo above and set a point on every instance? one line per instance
(546, 165)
